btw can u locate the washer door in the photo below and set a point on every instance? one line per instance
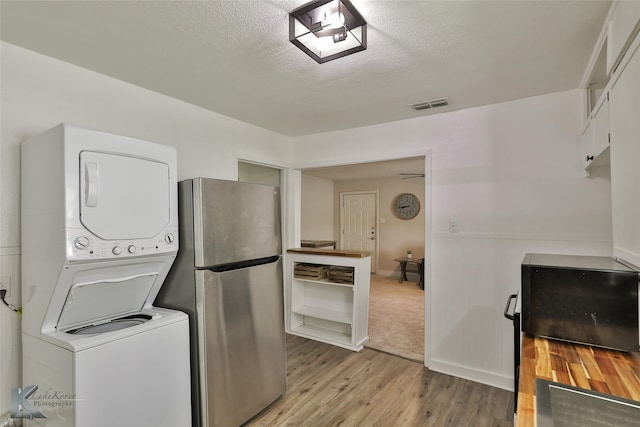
(123, 197)
(102, 299)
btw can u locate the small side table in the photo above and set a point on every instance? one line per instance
(403, 269)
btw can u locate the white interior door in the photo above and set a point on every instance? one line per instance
(358, 224)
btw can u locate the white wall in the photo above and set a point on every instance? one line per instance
(317, 207)
(511, 175)
(39, 92)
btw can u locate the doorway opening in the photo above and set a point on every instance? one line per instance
(396, 310)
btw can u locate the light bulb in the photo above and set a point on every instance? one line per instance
(335, 21)
(340, 37)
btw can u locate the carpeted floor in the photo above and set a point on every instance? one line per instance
(396, 317)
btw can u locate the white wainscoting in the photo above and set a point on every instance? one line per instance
(472, 276)
(10, 329)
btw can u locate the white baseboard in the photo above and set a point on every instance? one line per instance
(488, 378)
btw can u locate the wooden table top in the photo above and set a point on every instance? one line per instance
(607, 371)
(405, 259)
(329, 252)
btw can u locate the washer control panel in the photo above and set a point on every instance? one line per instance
(83, 245)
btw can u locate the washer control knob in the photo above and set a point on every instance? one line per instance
(81, 242)
(131, 249)
(117, 250)
(169, 238)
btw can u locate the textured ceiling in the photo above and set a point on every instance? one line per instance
(234, 57)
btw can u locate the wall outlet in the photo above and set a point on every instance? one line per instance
(453, 226)
(5, 283)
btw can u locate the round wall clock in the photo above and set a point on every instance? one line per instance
(406, 206)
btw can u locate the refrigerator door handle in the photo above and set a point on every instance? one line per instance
(243, 264)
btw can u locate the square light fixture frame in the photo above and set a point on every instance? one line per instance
(305, 26)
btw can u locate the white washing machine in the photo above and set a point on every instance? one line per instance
(99, 235)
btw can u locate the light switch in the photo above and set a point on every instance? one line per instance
(453, 226)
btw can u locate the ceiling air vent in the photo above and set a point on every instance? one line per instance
(433, 103)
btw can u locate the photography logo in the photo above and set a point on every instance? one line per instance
(26, 403)
(21, 407)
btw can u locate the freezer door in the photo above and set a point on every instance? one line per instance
(234, 221)
(242, 347)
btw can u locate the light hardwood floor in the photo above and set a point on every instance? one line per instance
(331, 386)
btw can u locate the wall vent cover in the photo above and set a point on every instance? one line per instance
(433, 103)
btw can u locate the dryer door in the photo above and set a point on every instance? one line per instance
(123, 197)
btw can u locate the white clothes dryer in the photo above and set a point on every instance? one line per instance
(100, 233)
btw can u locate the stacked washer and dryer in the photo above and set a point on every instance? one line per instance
(99, 235)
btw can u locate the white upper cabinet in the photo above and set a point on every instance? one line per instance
(596, 135)
(622, 27)
(596, 129)
(611, 133)
(625, 152)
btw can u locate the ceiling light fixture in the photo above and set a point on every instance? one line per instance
(328, 29)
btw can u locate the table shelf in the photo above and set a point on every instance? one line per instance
(323, 335)
(324, 282)
(325, 310)
(321, 313)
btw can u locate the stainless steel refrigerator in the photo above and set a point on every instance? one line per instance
(228, 278)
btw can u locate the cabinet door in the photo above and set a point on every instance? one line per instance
(601, 126)
(587, 144)
(624, 99)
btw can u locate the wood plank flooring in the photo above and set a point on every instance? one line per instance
(331, 386)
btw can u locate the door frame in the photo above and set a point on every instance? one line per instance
(374, 265)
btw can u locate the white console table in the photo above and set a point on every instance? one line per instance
(327, 295)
